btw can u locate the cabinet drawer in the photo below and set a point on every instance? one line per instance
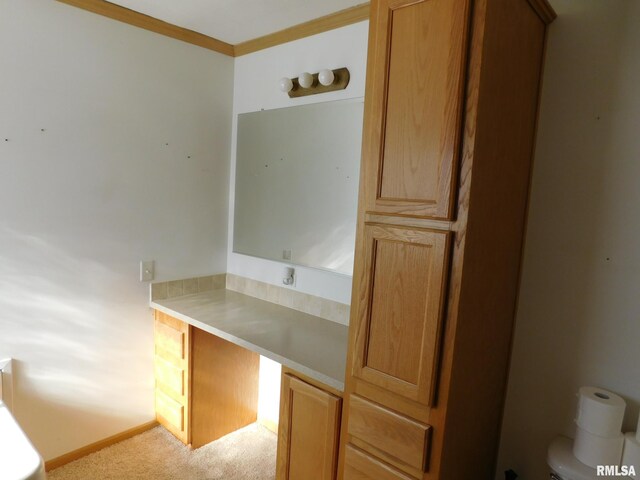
(387, 431)
(170, 411)
(169, 377)
(360, 466)
(169, 340)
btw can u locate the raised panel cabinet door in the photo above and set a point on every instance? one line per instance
(308, 432)
(414, 102)
(398, 316)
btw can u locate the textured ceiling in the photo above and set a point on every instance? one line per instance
(235, 21)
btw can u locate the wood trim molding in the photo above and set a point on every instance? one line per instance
(339, 19)
(125, 15)
(99, 445)
(544, 10)
(269, 424)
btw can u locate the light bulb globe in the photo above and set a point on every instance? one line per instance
(305, 80)
(326, 77)
(285, 85)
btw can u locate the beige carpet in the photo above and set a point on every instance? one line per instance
(248, 454)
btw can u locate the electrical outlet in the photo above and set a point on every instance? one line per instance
(286, 254)
(146, 270)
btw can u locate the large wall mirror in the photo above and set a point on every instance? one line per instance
(296, 189)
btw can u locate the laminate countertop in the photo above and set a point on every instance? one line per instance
(308, 344)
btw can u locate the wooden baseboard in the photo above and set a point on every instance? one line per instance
(268, 424)
(99, 445)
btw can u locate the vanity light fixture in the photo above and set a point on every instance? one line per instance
(307, 84)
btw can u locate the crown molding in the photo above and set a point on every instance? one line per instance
(544, 10)
(131, 17)
(339, 19)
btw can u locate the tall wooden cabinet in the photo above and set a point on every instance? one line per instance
(450, 118)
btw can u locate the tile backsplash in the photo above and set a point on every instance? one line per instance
(187, 286)
(287, 297)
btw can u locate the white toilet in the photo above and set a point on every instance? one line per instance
(565, 466)
(18, 459)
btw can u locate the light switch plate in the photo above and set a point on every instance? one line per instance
(146, 271)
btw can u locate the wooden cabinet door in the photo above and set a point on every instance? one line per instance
(401, 275)
(413, 111)
(308, 432)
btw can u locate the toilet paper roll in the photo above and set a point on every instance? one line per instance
(600, 412)
(631, 453)
(593, 450)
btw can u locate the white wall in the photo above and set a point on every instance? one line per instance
(82, 202)
(255, 88)
(579, 312)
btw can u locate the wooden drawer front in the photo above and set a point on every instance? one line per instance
(170, 339)
(169, 377)
(170, 411)
(398, 318)
(171, 368)
(360, 466)
(389, 432)
(308, 432)
(414, 111)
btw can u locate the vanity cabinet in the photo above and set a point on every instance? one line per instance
(308, 431)
(450, 118)
(205, 387)
(171, 367)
